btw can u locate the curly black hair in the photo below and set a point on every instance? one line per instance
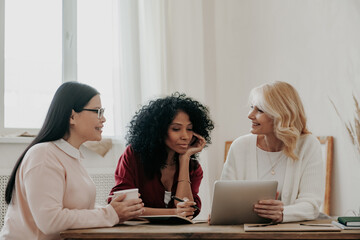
(148, 129)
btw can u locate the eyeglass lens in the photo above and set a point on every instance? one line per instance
(101, 112)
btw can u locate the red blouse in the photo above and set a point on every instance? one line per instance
(130, 173)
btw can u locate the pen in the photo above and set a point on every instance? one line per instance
(316, 225)
(180, 200)
(263, 225)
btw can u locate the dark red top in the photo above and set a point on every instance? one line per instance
(130, 174)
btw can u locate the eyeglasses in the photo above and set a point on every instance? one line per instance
(99, 111)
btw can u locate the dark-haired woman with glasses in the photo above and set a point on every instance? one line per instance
(49, 189)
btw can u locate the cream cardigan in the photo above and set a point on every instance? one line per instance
(304, 182)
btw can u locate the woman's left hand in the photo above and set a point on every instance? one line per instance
(272, 209)
(197, 146)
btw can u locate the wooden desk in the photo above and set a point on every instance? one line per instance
(133, 230)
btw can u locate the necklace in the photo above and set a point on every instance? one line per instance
(272, 164)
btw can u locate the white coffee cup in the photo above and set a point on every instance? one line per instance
(132, 193)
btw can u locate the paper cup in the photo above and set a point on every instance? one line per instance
(130, 193)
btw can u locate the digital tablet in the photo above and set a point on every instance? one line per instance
(233, 201)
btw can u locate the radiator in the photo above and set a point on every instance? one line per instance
(3, 205)
(103, 182)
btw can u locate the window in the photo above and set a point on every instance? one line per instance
(37, 56)
(32, 60)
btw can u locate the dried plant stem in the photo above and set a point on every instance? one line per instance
(353, 129)
(357, 122)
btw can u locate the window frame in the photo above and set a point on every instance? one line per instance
(2, 51)
(69, 57)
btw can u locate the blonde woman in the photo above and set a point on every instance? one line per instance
(280, 148)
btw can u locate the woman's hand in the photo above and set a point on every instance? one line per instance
(272, 209)
(127, 209)
(184, 209)
(195, 147)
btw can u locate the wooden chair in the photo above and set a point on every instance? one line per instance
(227, 147)
(327, 145)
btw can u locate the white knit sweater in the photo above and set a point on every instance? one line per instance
(304, 182)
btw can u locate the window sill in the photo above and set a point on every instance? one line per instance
(16, 139)
(29, 140)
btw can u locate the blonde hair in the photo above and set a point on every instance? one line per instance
(281, 102)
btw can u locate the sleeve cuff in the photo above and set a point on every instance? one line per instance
(113, 217)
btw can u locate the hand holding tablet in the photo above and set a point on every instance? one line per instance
(233, 201)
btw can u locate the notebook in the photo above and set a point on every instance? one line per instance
(292, 227)
(233, 201)
(342, 226)
(167, 219)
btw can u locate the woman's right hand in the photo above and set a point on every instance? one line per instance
(127, 209)
(194, 147)
(184, 209)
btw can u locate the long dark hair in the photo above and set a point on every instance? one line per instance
(69, 96)
(148, 129)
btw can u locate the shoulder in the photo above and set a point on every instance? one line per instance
(129, 151)
(41, 149)
(41, 154)
(308, 141)
(244, 141)
(195, 166)
(309, 148)
(130, 155)
(196, 169)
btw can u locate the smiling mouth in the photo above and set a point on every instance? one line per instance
(99, 128)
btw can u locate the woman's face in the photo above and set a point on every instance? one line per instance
(87, 126)
(179, 133)
(261, 123)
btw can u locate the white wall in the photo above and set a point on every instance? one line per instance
(313, 45)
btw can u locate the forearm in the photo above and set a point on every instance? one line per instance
(184, 184)
(300, 212)
(310, 193)
(46, 202)
(308, 200)
(51, 216)
(60, 220)
(159, 211)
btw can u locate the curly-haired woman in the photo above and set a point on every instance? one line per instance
(161, 157)
(280, 148)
